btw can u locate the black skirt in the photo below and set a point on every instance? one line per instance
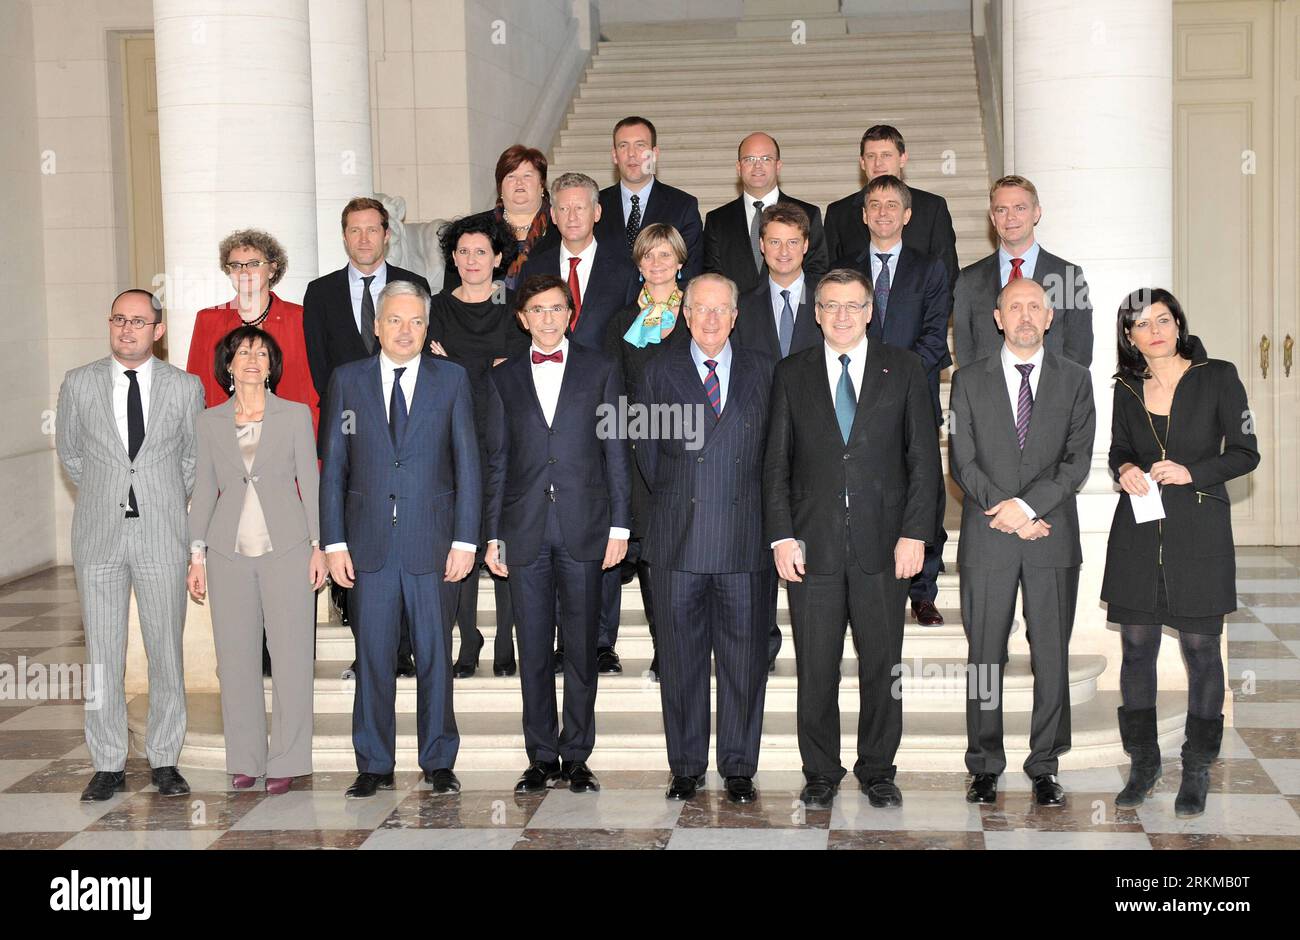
(1206, 626)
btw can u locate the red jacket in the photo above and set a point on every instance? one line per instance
(284, 322)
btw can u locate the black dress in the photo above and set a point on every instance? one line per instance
(1181, 570)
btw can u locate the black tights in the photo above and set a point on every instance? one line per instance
(1137, 675)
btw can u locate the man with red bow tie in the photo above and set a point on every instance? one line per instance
(558, 511)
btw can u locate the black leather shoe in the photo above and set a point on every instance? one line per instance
(741, 790)
(579, 776)
(366, 784)
(684, 787)
(464, 670)
(983, 789)
(442, 780)
(1047, 792)
(557, 660)
(103, 784)
(607, 661)
(169, 781)
(500, 670)
(405, 666)
(926, 614)
(818, 793)
(541, 775)
(882, 792)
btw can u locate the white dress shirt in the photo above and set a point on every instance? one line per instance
(121, 386)
(355, 287)
(387, 370)
(768, 202)
(778, 302)
(1011, 375)
(587, 258)
(1030, 258)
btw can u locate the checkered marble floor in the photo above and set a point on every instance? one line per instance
(1254, 797)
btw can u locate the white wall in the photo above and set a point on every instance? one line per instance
(639, 11)
(26, 455)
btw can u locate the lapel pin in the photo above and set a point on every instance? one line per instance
(886, 371)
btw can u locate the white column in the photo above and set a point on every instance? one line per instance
(340, 84)
(1093, 115)
(236, 143)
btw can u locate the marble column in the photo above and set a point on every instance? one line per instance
(340, 83)
(1092, 114)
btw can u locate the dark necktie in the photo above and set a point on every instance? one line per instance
(1016, 273)
(634, 221)
(846, 400)
(1024, 403)
(880, 298)
(712, 388)
(539, 358)
(754, 237)
(367, 315)
(575, 289)
(786, 332)
(134, 432)
(397, 412)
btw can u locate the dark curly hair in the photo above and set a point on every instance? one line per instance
(482, 223)
(225, 353)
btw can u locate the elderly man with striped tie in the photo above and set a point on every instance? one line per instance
(1021, 446)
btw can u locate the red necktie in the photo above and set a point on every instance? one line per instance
(1016, 273)
(576, 291)
(557, 356)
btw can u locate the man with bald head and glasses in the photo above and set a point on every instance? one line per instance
(125, 437)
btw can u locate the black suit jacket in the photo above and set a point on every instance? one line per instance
(706, 501)
(975, 333)
(611, 286)
(329, 327)
(590, 471)
(916, 316)
(929, 231)
(890, 466)
(666, 204)
(756, 322)
(727, 248)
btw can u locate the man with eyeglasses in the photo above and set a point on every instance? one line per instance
(849, 480)
(125, 437)
(400, 507)
(732, 241)
(559, 508)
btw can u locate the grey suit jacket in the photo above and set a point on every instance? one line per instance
(989, 466)
(975, 333)
(284, 474)
(95, 459)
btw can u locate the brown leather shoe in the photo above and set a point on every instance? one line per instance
(926, 614)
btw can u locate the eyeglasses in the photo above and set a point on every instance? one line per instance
(710, 311)
(834, 308)
(135, 323)
(756, 159)
(537, 311)
(233, 266)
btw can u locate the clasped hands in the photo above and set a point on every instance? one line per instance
(1165, 472)
(1008, 517)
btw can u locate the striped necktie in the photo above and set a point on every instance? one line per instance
(1024, 403)
(712, 388)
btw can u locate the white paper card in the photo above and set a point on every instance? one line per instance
(1147, 508)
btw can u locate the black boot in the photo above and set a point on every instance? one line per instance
(1137, 729)
(1204, 736)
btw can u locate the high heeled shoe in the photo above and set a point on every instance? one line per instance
(278, 785)
(242, 781)
(463, 669)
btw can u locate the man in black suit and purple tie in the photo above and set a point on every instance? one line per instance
(710, 570)
(559, 504)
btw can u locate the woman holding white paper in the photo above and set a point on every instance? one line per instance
(1181, 429)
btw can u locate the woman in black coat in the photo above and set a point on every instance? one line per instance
(1181, 419)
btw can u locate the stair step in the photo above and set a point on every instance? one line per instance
(634, 740)
(780, 89)
(779, 123)
(861, 69)
(671, 49)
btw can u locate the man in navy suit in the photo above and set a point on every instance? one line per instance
(401, 503)
(909, 310)
(559, 504)
(710, 570)
(639, 197)
(338, 324)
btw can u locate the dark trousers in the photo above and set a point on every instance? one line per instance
(380, 599)
(343, 598)
(534, 589)
(724, 616)
(925, 584)
(872, 604)
(471, 641)
(611, 604)
(988, 603)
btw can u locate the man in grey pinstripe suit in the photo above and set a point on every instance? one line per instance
(125, 437)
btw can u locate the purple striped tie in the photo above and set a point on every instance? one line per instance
(711, 387)
(1024, 403)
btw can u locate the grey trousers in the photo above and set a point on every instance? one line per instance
(105, 587)
(246, 594)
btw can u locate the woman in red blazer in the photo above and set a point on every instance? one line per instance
(255, 262)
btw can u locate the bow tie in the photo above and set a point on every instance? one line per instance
(557, 356)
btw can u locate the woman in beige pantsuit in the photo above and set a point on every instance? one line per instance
(255, 516)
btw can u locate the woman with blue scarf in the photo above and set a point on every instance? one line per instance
(634, 336)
